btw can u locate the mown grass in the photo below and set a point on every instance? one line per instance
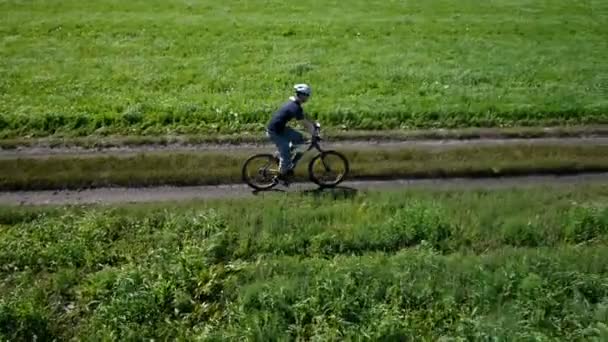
(208, 168)
(157, 67)
(509, 264)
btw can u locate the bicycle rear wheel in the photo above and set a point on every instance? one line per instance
(328, 168)
(260, 171)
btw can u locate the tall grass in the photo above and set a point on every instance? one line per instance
(511, 264)
(155, 67)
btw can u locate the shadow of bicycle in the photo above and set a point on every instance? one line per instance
(338, 192)
(257, 192)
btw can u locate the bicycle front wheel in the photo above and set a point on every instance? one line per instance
(260, 171)
(328, 168)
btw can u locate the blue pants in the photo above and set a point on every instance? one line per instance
(282, 141)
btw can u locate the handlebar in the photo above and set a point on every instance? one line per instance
(315, 139)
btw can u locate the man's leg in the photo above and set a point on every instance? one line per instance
(293, 136)
(282, 143)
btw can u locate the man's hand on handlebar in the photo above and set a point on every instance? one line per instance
(317, 131)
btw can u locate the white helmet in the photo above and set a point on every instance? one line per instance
(303, 89)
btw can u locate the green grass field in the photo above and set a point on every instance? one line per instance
(224, 167)
(506, 265)
(418, 265)
(156, 67)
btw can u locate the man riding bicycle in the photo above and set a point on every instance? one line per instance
(282, 136)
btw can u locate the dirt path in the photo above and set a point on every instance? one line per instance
(167, 193)
(46, 152)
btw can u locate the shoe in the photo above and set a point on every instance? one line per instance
(285, 178)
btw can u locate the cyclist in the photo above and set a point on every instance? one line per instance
(282, 135)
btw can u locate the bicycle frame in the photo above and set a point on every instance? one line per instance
(313, 143)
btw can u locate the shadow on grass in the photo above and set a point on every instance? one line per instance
(257, 192)
(338, 192)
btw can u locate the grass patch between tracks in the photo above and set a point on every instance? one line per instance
(509, 264)
(101, 142)
(205, 168)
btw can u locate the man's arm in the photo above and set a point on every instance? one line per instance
(310, 125)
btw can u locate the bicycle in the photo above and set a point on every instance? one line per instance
(266, 176)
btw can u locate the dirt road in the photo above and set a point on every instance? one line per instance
(167, 193)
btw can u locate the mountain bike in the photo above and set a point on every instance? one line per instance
(327, 168)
